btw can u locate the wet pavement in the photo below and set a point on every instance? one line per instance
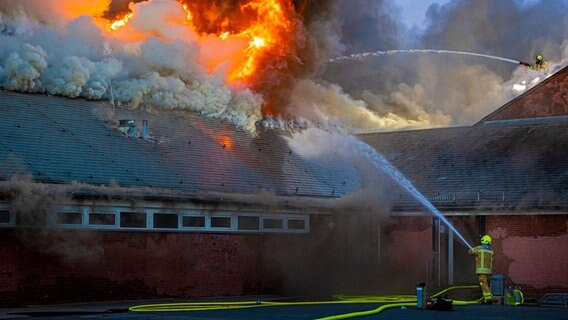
(119, 310)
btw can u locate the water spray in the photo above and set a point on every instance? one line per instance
(359, 56)
(383, 164)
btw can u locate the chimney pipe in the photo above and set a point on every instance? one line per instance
(145, 130)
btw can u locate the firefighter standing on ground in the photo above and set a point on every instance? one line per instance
(484, 266)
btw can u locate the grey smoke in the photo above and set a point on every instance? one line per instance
(33, 204)
(42, 52)
(428, 90)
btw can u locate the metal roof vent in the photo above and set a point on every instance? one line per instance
(128, 127)
(145, 130)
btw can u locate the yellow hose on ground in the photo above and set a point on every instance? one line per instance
(403, 301)
(393, 301)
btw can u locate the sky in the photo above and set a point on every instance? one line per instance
(413, 11)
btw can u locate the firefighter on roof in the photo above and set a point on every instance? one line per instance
(539, 65)
(484, 266)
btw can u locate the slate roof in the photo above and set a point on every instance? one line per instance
(499, 163)
(59, 140)
(507, 164)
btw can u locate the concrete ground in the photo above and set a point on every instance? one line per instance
(119, 310)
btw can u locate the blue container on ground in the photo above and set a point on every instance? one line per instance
(421, 296)
(498, 285)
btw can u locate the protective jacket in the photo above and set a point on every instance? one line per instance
(483, 259)
(540, 66)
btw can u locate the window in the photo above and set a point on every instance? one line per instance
(5, 216)
(69, 218)
(106, 216)
(248, 223)
(133, 220)
(102, 219)
(193, 222)
(165, 220)
(220, 222)
(295, 224)
(272, 223)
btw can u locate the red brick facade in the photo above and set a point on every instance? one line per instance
(549, 98)
(112, 265)
(54, 266)
(531, 251)
(340, 254)
(407, 250)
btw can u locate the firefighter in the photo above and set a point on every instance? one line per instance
(484, 266)
(540, 64)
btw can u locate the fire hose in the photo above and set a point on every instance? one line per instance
(391, 301)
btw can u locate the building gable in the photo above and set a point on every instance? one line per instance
(548, 98)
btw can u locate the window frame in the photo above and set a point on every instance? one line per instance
(152, 223)
(11, 217)
(102, 226)
(69, 211)
(206, 222)
(231, 227)
(259, 219)
(144, 213)
(207, 216)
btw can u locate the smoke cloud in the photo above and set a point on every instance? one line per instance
(32, 203)
(46, 49)
(429, 90)
(49, 48)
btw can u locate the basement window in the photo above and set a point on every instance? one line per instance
(295, 224)
(165, 221)
(133, 220)
(5, 217)
(102, 219)
(274, 224)
(193, 222)
(221, 222)
(248, 223)
(69, 218)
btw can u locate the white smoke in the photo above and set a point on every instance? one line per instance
(23, 69)
(44, 52)
(47, 50)
(327, 105)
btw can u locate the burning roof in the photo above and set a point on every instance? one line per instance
(237, 59)
(244, 60)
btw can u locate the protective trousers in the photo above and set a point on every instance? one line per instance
(484, 284)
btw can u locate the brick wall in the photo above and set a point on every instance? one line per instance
(550, 98)
(406, 251)
(339, 255)
(44, 267)
(41, 266)
(531, 251)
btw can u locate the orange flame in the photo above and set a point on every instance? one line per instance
(117, 24)
(261, 24)
(226, 142)
(189, 16)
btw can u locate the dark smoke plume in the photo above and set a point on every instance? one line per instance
(412, 90)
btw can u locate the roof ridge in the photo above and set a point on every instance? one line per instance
(524, 94)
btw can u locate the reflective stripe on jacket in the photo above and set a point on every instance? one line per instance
(483, 259)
